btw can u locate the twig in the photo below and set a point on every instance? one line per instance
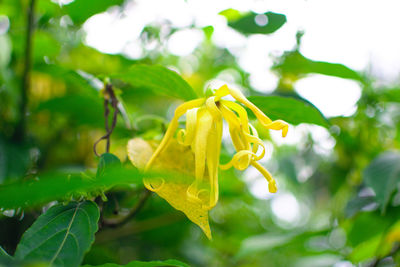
(109, 235)
(20, 128)
(109, 99)
(132, 213)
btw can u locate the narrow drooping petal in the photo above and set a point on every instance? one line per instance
(246, 143)
(264, 120)
(271, 182)
(234, 126)
(214, 150)
(199, 147)
(253, 138)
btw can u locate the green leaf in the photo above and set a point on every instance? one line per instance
(31, 193)
(158, 79)
(81, 109)
(295, 63)
(356, 233)
(266, 23)
(92, 61)
(365, 250)
(80, 10)
(4, 257)
(107, 161)
(61, 236)
(289, 109)
(382, 175)
(174, 263)
(14, 160)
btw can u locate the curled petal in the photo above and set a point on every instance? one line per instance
(265, 121)
(185, 137)
(244, 120)
(245, 125)
(277, 125)
(256, 143)
(154, 184)
(240, 160)
(271, 182)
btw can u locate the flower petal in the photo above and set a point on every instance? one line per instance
(174, 125)
(203, 128)
(185, 137)
(214, 150)
(264, 120)
(271, 182)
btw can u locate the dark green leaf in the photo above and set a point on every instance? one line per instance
(107, 161)
(296, 64)
(4, 257)
(61, 236)
(266, 23)
(174, 263)
(81, 109)
(382, 175)
(160, 80)
(14, 160)
(357, 235)
(81, 10)
(366, 243)
(366, 250)
(289, 109)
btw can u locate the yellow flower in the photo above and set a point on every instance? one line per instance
(203, 134)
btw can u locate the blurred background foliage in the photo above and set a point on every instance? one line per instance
(339, 182)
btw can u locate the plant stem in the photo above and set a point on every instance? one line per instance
(20, 130)
(109, 99)
(133, 212)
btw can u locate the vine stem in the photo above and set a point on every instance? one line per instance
(109, 99)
